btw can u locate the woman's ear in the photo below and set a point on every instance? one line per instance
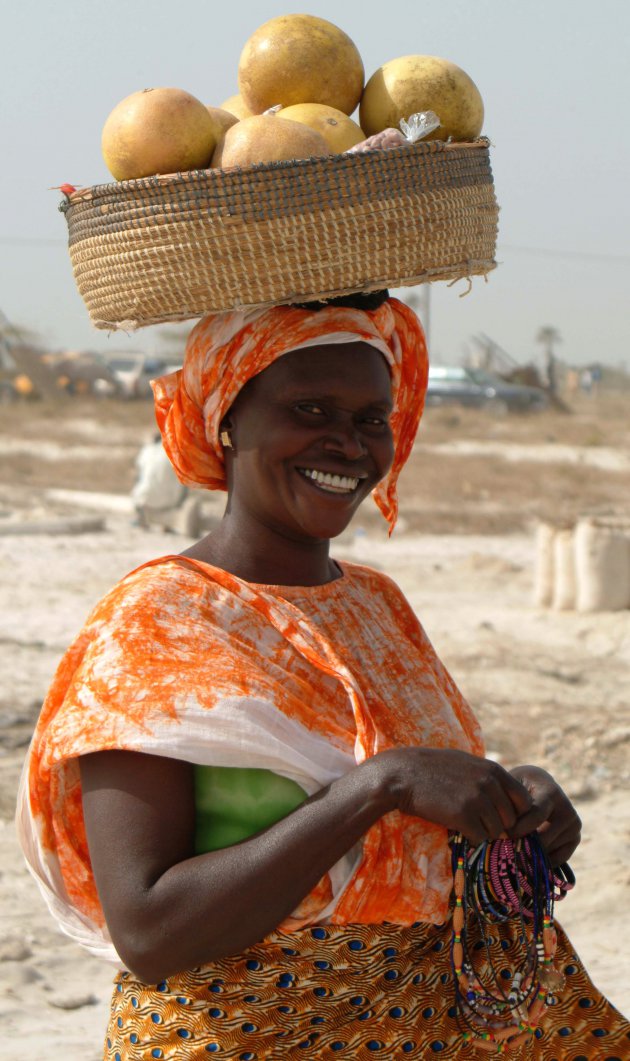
(225, 433)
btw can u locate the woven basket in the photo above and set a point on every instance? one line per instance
(170, 248)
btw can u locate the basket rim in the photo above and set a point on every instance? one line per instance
(348, 158)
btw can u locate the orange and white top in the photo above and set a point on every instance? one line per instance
(184, 660)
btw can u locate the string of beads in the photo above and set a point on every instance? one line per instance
(498, 881)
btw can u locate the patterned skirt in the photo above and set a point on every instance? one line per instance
(354, 991)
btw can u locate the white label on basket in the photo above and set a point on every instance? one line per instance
(419, 125)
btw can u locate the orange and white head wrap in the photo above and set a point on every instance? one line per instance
(226, 350)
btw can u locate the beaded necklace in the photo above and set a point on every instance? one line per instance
(498, 881)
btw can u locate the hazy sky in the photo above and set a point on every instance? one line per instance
(555, 79)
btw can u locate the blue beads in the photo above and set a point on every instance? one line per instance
(366, 1015)
(119, 1022)
(599, 1033)
(322, 965)
(117, 1056)
(162, 986)
(289, 951)
(319, 991)
(285, 980)
(216, 989)
(183, 1033)
(585, 1003)
(408, 1047)
(182, 1001)
(155, 1017)
(251, 998)
(156, 1052)
(214, 1012)
(437, 1046)
(318, 933)
(337, 1045)
(357, 1000)
(285, 1009)
(317, 1020)
(356, 944)
(134, 1003)
(564, 1032)
(391, 974)
(396, 1011)
(252, 964)
(570, 970)
(212, 1048)
(247, 1056)
(374, 1045)
(390, 952)
(133, 1038)
(428, 1013)
(248, 1027)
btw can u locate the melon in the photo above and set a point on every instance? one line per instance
(236, 105)
(415, 83)
(265, 138)
(339, 131)
(158, 130)
(300, 59)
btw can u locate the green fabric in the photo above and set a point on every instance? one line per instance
(232, 804)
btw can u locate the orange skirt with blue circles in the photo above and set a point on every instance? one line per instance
(354, 991)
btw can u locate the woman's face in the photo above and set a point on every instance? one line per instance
(311, 439)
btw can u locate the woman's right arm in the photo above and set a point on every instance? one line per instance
(169, 909)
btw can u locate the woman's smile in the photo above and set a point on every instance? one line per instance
(331, 482)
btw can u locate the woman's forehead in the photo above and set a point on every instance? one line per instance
(328, 365)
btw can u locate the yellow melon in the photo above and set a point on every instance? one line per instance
(223, 119)
(300, 59)
(158, 130)
(338, 130)
(416, 83)
(236, 105)
(264, 138)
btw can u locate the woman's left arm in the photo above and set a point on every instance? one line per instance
(552, 814)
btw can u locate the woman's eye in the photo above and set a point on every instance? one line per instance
(311, 408)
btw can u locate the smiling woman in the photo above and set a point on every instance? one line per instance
(243, 779)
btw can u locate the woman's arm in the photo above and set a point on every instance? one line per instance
(168, 909)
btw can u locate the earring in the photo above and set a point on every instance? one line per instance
(226, 440)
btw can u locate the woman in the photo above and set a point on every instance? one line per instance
(258, 744)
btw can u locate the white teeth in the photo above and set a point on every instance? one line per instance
(345, 483)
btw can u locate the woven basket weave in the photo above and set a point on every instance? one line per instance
(175, 247)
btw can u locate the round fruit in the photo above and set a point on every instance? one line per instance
(158, 130)
(264, 138)
(223, 120)
(416, 83)
(300, 59)
(338, 130)
(236, 105)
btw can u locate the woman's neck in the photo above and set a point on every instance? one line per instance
(261, 555)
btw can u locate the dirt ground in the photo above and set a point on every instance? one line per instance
(549, 687)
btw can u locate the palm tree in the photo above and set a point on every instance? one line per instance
(548, 336)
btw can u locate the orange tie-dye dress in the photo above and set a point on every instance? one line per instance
(185, 660)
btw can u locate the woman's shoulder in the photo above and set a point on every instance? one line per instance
(360, 576)
(156, 584)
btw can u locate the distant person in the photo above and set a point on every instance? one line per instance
(157, 490)
(586, 381)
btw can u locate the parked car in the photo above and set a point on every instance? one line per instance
(473, 387)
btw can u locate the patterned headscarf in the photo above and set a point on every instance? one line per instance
(226, 350)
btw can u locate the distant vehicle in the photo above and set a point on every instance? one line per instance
(477, 389)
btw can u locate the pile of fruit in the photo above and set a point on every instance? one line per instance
(300, 78)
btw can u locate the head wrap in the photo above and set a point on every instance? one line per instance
(226, 350)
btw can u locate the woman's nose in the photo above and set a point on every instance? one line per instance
(344, 439)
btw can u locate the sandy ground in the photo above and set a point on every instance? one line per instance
(549, 687)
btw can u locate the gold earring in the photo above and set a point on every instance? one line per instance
(226, 441)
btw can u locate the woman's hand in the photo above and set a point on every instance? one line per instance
(551, 814)
(463, 792)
